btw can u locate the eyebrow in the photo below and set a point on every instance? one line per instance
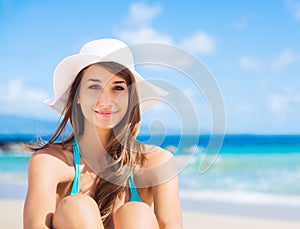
(121, 81)
(94, 80)
(99, 81)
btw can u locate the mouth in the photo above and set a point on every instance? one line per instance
(105, 113)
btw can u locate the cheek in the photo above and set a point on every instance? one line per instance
(123, 101)
(88, 98)
(86, 103)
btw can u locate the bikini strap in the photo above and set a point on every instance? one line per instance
(134, 195)
(76, 155)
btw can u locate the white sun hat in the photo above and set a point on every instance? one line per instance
(102, 50)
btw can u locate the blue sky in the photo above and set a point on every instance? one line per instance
(252, 49)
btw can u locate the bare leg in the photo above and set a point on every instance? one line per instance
(135, 215)
(77, 211)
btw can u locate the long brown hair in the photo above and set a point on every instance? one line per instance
(124, 151)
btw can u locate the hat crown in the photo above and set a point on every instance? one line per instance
(102, 50)
(110, 50)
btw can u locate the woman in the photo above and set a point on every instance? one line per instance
(100, 176)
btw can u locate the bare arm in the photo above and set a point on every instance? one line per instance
(41, 194)
(167, 205)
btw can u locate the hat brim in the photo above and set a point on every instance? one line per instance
(67, 70)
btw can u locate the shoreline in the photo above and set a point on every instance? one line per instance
(257, 211)
(11, 217)
(192, 220)
(16, 193)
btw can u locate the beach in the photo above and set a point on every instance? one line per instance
(193, 220)
(254, 183)
(11, 217)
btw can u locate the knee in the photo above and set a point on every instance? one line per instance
(135, 215)
(79, 211)
(79, 201)
(77, 204)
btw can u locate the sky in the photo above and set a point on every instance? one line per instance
(251, 49)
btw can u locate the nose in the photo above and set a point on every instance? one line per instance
(105, 98)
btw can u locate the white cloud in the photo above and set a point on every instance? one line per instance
(145, 34)
(285, 102)
(141, 14)
(19, 99)
(180, 111)
(240, 24)
(137, 27)
(138, 30)
(297, 12)
(249, 63)
(199, 43)
(294, 7)
(279, 103)
(15, 91)
(284, 59)
(280, 62)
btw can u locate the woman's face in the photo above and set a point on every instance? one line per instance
(103, 97)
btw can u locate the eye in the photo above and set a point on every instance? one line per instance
(94, 86)
(119, 88)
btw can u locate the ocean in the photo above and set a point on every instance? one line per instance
(249, 169)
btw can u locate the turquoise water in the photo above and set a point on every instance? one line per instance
(246, 178)
(248, 169)
(13, 168)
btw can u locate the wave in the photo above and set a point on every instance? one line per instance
(241, 162)
(240, 197)
(13, 178)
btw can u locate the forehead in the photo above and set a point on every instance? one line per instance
(98, 72)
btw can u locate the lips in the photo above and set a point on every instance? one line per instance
(105, 113)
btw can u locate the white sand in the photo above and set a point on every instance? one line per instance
(11, 213)
(11, 218)
(193, 220)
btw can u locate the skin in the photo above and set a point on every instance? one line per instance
(103, 98)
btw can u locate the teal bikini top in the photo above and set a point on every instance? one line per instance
(134, 195)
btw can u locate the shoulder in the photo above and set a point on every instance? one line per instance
(52, 153)
(156, 155)
(47, 168)
(159, 165)
(52, 160)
